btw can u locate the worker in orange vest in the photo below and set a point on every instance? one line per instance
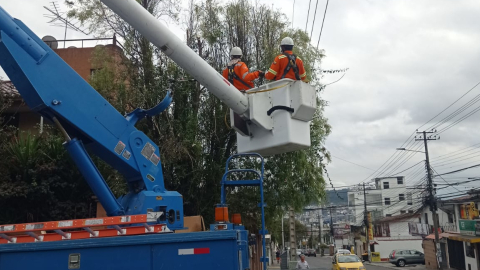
(287, 64)
(237, 73)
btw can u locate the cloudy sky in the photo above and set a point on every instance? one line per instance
(408, 60)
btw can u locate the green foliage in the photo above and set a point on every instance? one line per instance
(193, 134)
(38, 180)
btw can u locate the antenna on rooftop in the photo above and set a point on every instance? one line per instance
(59, 18)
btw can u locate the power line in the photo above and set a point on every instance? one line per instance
(408, 168)
(443, 178)
(314, 16)
(407, 158)
(321, 29)
(308, 14)
(462, 150)
(461, 119)
(449, 107)
(293, 12)
(463, 169)
(328, 176)
(455, 160)
(386, 160)
(352, 163)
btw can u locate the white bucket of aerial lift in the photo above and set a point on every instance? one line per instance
(282, 131)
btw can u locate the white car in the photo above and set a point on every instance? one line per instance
(343, 251)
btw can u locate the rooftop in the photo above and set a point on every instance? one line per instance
(8, 90)
(399, 217)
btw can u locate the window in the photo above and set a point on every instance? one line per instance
(400, 180)
(388, 215)
(386, 185)
(450, 218)
(409, 198)
(403, 211)
(469, 250)
(411, 212)
(401, 197)
(387, 201)
(426, 218)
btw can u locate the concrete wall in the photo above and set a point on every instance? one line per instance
(400, 228)
(430, 256)
(386, 246)
(442, 219)
(359, 250)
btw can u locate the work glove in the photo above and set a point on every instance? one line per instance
(261, 74)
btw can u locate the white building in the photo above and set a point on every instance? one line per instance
(392, 232)
(387, 197)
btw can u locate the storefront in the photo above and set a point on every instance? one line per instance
(463, 252)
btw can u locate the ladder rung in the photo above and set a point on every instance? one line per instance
(243, 183)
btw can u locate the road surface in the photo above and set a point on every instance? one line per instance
(325, 263)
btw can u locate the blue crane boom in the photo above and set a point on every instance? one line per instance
(53, 89)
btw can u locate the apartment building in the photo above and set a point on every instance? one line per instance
(386, 197)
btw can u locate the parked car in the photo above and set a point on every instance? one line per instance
(347, 261)
(299, 251)
(402, 257)
(311, 252)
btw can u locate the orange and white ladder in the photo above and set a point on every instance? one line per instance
(77, 229)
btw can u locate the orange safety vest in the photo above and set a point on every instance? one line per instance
(286, 65)
(238, 75)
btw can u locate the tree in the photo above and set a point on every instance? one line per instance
(192, 135)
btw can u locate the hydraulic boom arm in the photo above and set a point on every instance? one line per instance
(52, 88)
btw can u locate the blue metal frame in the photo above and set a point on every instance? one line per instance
(53, 89)
(254, 182)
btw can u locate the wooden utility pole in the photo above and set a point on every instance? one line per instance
(431, 196)
(365, 220)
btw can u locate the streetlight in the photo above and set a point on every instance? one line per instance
(403, 149)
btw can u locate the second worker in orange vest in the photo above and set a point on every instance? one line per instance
(286, 65)
(237, 73)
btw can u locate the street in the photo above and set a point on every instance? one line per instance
(325, 263)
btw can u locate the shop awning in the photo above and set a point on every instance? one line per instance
(466, 238)
(441, 235)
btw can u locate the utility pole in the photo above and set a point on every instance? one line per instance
(311, 235)
(320, 225)
(283, 233)
(431, 196)
(293, 238)
(365, 220)
(331, 229)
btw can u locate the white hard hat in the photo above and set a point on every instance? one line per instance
(236, 51)
(287, 41)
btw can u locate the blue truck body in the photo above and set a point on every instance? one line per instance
(226, 250)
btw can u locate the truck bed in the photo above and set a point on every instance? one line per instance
(198, 250)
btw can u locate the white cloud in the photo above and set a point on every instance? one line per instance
(408, 60)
